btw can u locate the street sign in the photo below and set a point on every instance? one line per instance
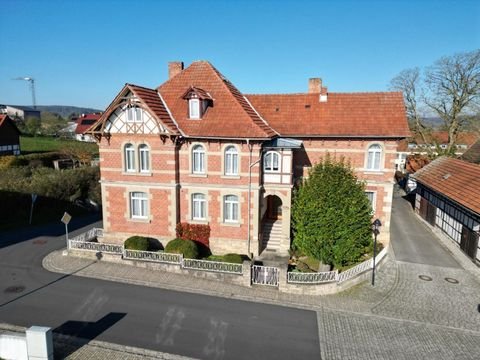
(66, 218)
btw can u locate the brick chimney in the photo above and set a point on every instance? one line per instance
(174, 68)
(314, 86)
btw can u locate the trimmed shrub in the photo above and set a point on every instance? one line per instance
(137, 243)
(195, 232)
(187, 248)
(233, 258)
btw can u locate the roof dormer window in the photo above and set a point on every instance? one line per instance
(198, 102)
(194, 108)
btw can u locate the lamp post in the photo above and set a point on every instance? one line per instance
(376, 230)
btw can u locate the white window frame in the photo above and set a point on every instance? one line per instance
(199, 206)
(270, 168)
(129, 157)
(373, 201)
(374, 157)
(231, 160)
(138, 205)
(144, 158)
(134, 114)
(231, 208)
(194, 109)
(198, 159)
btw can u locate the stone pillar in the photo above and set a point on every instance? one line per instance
(39, 343)
(247, 273)
(282, 277)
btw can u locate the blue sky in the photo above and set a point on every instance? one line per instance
(81, 53)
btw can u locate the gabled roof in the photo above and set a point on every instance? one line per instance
(149, 98)
(231, 115)
(379, 114)
(455, 179)
(85, 121)
(473, 153)
(5, 119)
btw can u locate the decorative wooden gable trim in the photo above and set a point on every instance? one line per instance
(131, 112)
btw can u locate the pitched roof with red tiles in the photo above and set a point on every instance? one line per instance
(455, 179)
(231, 115)
(5, 119)
(342, 115)
(85, 121)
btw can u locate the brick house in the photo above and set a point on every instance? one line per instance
(197, 150)
(9, 136)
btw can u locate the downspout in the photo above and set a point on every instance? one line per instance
(249, 196)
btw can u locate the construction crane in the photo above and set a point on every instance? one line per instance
(32, 87)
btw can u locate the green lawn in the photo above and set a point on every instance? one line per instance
(47, 144)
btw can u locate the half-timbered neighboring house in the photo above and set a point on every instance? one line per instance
(9, 136)
(197, 150)
(448, 197)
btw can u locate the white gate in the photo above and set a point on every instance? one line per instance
(265, 275)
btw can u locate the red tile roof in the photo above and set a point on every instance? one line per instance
(230, 116)
(343, 114)
(85, 121)
(455, 179)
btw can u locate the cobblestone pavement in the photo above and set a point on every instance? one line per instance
(401, 317)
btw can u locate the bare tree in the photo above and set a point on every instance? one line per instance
(451, 90)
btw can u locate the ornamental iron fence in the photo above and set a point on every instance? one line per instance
(94, 246)
(312, 278)
(214, 266)
(160, 256)
(265, 275)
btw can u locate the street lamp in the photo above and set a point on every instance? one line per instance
(376, 230)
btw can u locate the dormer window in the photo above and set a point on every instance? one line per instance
(198, 102)
(194, 108)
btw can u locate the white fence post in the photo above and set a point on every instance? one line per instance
(39, 343)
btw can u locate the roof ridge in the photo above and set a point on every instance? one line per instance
(329, 92)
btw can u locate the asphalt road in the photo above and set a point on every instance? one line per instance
(173, 322)
(412, 240)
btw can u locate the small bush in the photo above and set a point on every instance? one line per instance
(137, 243)
(187, 248)
(233, 258)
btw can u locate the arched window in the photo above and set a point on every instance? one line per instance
(230, 208)
(199, 207)
(129, 153)
(138, 205)
(198, 159)
(231, 161)
(144, 156)
(374, 157)
(271, 162)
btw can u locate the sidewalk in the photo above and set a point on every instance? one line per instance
(365, 297)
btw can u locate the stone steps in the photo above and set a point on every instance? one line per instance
(272, 235)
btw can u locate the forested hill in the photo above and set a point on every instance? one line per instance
(65, 111)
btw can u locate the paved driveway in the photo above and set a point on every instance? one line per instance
(412, 240)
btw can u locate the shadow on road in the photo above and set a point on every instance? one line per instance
(53, 229)
(83, 332)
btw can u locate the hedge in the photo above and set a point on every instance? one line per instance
(195, 232)
(137, 243)
(187, 248)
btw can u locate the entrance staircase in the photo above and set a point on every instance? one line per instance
(272, 235)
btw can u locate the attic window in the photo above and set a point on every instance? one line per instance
(194, 108)
(198, 102)
(134, 114)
